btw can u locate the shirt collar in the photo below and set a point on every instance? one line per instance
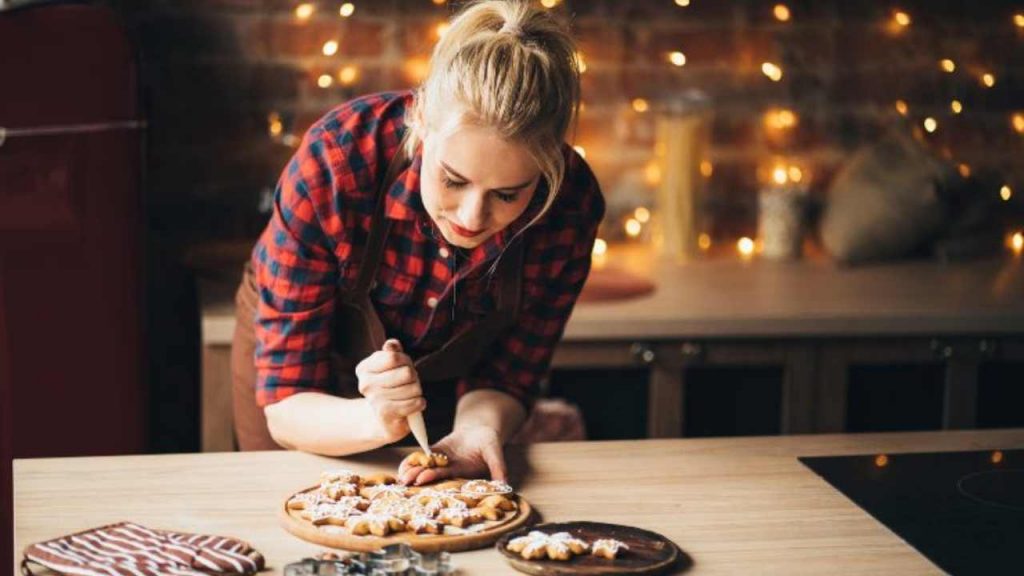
(403, 200)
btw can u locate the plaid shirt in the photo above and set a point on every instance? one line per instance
(426, 290)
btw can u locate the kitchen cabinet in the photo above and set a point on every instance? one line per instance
(726, 388)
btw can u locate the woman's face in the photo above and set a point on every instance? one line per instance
(474, 183)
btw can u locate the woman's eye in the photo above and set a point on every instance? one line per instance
(452, 184)
(508, 197)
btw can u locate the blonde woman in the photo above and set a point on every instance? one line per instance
(425, 251)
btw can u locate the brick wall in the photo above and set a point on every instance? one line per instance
(230, 83)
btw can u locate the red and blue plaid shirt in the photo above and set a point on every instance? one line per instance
(323, 206)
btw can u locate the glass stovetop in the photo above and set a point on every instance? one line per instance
(962, 510)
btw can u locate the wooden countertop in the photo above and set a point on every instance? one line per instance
(730, 298)
(734, 505)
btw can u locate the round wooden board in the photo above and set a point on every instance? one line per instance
(649, 552)
(296, 525)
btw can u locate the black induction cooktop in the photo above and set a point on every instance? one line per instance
(963, 510)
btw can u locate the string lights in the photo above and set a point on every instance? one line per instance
(305, 10)
(779, 121)
(772, 71)
(781, 12)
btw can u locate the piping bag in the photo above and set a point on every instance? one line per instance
(416, 423)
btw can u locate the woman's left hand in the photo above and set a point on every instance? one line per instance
(473, 452)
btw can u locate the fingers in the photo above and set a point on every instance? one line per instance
(383, 361)
(409, 474)
(495, 460)
(399, 377)
(375, 387)
(398, 409)
(429, 475)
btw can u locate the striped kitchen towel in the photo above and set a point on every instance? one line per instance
(129, 549)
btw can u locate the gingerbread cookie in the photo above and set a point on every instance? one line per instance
(538, 545)
(608, 548)
(424, 460)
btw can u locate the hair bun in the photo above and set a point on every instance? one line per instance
(510, 27)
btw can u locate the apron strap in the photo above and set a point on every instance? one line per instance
(380, 226)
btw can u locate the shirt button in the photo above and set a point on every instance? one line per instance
(443, 252)
(432, 302)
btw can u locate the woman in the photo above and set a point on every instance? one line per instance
(424, 254)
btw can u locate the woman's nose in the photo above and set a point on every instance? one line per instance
(472, 212)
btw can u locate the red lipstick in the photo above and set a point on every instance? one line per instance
(464, 231)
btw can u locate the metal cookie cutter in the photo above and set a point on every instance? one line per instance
(394, 560)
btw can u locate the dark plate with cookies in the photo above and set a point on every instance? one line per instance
(567, 548)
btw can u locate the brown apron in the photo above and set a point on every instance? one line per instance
(359, 332)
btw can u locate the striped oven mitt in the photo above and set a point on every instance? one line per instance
(132, 550)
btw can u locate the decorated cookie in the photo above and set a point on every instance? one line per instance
(608, 548)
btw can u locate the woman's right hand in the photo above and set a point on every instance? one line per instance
(389, 382)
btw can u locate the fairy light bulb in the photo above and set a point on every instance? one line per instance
(348, 75)
(325, 81)
(641, 105)
(795, 174)
(988, 79)
(781, 12)
(330, 48)
(549, 3)
(1017, 243)
(580, 150)
(652, 174)
(964, 169)
(780, 119)
(1018, 20)
(930, 124)
(642, 215)
(304, 11)
(901, 18)
(347, 9)
(416, 69)
(633, 227)
(600, 247)
(1017, 120)
(956, 106)
(677, 58)
(772, 71)
(682, 3)
(274, 124)
(902, 108)
(1006, 193)
(745, 246)
(706, 168)
(704, 241)
(780, 175)
(947, 65)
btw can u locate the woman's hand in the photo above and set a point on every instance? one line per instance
(391, 385)
(473, 452)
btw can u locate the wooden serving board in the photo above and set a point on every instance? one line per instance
(340, 538)
(649, 552)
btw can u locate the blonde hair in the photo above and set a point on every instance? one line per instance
(506, 65)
